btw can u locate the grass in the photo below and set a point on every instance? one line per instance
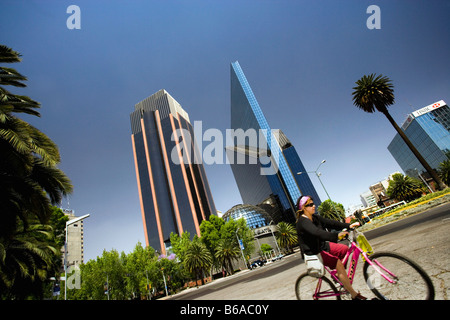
(413, 207)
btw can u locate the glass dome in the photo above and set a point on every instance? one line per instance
(256, 217)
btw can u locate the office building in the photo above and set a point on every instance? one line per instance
(263, 161)
(173, 189)
(75, 240)
(428, 129)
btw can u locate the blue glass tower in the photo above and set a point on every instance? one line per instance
(429, 131)
(271, 150)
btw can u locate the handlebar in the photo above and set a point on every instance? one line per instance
(351, 234)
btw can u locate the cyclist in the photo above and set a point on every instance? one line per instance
(314, 239)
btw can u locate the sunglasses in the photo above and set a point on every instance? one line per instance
(309, 204)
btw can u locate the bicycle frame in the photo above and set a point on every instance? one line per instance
(354, 252)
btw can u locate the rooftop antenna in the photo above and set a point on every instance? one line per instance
(410, 105)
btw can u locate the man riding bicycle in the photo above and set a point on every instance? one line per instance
(314, 239)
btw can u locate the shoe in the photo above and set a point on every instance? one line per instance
(359, 297)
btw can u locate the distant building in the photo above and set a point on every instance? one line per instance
(377, 194)
(429, 131)
(368, 199)
(75, 240)
(173, 190)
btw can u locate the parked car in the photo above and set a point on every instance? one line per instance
(257, 263)
(278, 257)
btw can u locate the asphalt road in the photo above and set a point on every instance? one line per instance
(424, 238)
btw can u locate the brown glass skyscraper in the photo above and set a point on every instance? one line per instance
(174, 193)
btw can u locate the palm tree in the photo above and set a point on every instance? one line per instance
(405, 188)
(332, 210)
(444, 171)
(286, 235)
(227, 250)
(27, 260)
(376, 93)
(30, 182)
(29, 179)
(198, 258)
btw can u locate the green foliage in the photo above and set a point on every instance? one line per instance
(373, 93)
(30, 183)
(405, 188)
(30, 257)
(197, 259)
(332, 210)
(265, 247)
(444, 171)
(141, 273)
(286, 235)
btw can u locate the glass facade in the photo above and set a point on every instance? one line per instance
(428, 130)
(254, 216)
(254, 186)
(174, 194)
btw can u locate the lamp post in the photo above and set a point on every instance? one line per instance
(65, 250)
(318, 174)
(276, 243)
(240, 247)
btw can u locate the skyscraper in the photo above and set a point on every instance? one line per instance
(429, 131)
(266, 166)
(173, 189)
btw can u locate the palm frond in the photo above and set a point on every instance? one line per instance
(8, 55)
(373, 93)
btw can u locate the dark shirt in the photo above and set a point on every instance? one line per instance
(312, 235)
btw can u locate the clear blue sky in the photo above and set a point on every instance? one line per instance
(301, 58)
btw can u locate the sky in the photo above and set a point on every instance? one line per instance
(301, 58)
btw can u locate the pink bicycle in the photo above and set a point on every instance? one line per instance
(389, 275)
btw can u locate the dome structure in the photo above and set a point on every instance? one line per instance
(255, 217)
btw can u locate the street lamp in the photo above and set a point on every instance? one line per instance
(276, 243)
(65, 250)
(240, 247)
(318, 174)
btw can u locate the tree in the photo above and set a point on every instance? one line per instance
(405, 188)
(332, 210)
(30, 257)
(211, 234)
(376, 93)
(198, 259)
(265, 248)
(138, 264)
(30, 183)
(444, 171)
(29, 179)
(226, 252)
(180, 245)
(286, 235)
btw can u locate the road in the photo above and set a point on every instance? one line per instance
(424, 238)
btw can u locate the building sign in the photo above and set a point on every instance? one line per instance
(407, 122)
(429, 108)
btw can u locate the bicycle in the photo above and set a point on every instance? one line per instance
(390, 276)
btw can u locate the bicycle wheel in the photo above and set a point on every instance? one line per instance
(306, 285)
(409, 281)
